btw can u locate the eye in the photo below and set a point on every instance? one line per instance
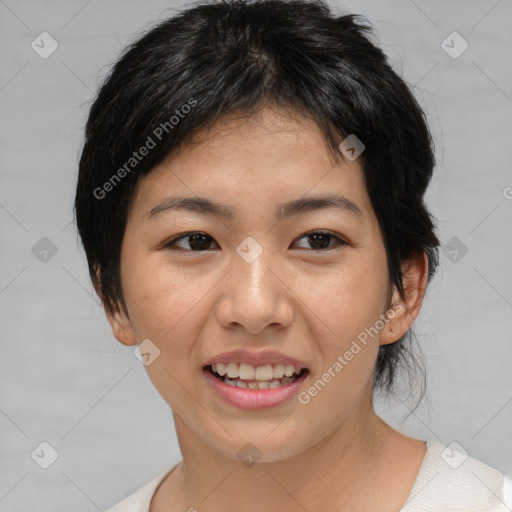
(320, 240)
(198, 241)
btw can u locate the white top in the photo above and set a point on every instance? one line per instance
(448, 481)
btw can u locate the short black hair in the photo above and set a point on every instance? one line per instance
(222, 57)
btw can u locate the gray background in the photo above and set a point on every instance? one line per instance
(67, 381)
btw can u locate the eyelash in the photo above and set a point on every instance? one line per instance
(339, 241)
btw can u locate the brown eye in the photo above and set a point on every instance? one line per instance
(196, 241)
(319, 240)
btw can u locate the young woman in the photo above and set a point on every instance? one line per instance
(250, 200)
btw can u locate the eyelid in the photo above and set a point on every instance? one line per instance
(339, 241)
(169, 243)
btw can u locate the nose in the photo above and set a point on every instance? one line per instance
(256, 295)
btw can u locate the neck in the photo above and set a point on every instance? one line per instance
(343, 468)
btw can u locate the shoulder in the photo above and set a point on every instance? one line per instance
(139, 500)
(450, 479)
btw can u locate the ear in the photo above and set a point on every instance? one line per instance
(402, 314)
(119, 321)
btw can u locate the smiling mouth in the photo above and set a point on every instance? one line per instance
(267, 381)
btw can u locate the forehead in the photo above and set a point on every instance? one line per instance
(280, 132)
(273, 156)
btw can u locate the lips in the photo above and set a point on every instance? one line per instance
(251, 380)
(253, 395)
(255, 358)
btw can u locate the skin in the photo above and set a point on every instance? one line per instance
(333, 453)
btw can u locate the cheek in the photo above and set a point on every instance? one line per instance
(158, 295)
(346, 324)
(348, 309)
(344, 300)
(165, 307)
(169, 306)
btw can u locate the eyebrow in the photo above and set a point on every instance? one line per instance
(296, 206)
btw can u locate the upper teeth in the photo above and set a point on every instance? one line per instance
(249, 372)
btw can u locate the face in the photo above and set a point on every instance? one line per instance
(198, 284)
